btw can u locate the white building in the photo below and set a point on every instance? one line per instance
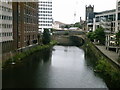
(110, 21)
(58, 25)
(6, 28)
(103, 18)
(117, 16)
(45, 14)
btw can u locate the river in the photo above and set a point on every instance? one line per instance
(58, 67)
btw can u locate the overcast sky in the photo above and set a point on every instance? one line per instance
(63, 10)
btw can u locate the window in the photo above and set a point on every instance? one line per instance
(119, 8)
(118, 16)
(119, 3)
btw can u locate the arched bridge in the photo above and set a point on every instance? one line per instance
(69, 37)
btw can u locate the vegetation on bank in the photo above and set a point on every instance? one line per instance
(104, 67)
(98, 35)
(110, 74)
(19, 56)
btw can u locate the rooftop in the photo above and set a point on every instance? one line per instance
(107, 11)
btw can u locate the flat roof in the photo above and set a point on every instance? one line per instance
(104, 12)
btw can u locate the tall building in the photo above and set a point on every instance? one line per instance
(6, 27)
(25, 24)
(89, 17)
(117, 16)
(89, 9)
(107, 19)
(45, 16)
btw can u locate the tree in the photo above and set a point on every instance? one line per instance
(67, 26)
(77, 24)
(100, 35)
(91, 36)
(118, 38)
(46, 36)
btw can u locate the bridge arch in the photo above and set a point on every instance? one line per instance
(77, 40)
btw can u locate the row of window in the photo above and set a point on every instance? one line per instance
(45, 15)
(109, 17)
(45, 21)
(32, 4)
(30, 20)
(28, 28)
(45, 24)
(5, 9)
(5, 25)
(46, 5)
(45, 11)
(4, 17)
(46, 18)
(46, 2)
(28, 37)
(119, 8)
(46, 8)
(30, 12)
(6, 34)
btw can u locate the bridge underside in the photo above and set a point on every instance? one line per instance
(68, 40)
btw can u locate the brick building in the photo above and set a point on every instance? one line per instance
(25, 24)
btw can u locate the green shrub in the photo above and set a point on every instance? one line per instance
(109, 73)
(20, 56)
(46, 36)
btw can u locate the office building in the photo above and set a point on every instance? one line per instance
(89, 16)
(117, 16)
(106, 19)
(110, 21)
(6, 27)
(45, 14)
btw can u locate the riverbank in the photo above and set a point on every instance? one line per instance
(19, 56)
(113, 56)
(108, 70)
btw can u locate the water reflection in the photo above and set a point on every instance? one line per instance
(58, 67)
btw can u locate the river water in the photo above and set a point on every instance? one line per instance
(58, 67)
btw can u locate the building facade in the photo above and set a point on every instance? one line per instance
(106, 19)
(6, 27)
(110, 21)
(89, 17)
(58, 25)
(25, 24)
(117, 16)
(45, 16)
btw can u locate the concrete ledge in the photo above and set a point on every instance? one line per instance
(109, 54)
